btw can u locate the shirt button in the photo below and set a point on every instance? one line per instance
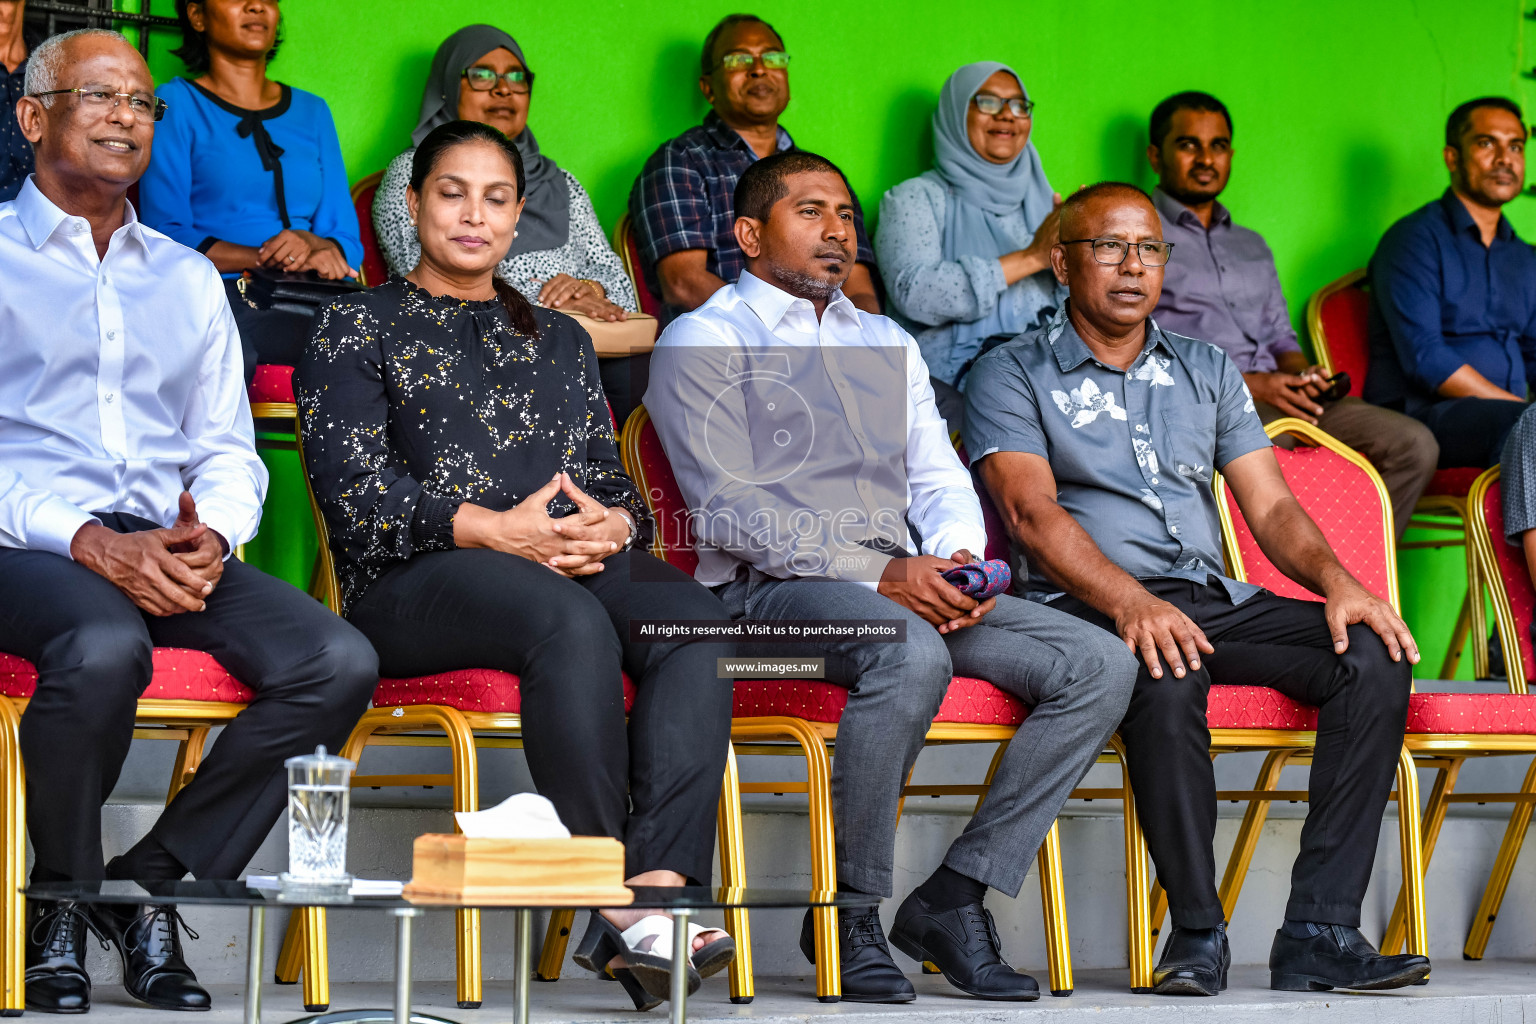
(1154, 479)
(110, 397)
(111, 335)
(1173, 530)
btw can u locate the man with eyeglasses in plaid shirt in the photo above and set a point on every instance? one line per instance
(681, 205)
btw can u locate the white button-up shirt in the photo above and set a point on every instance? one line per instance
(794, 468)
(121, 382)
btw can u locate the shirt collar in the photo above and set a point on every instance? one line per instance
(770, 302)
(1456, 212)
(41, 217)
(726, 137)
(1072, 351)
(1175, 212)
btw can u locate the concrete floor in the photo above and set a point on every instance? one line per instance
(1491, 991)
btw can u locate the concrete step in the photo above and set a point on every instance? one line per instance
(1490, 992)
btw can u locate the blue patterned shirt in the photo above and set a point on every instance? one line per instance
(685, 199)
(15, 151)
(1132, 450)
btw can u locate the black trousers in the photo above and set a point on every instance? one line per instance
(625, 379)
(312, 674)
(653, 784)
(275, 336)
(1471, 431)
(1362, 697)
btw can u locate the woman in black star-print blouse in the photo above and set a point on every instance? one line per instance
(463, 455)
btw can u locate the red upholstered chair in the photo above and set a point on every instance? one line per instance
(800, 716)
(1338, 317)
(629, 254)
(1345, 497)
(188, 695)
(374, 270)
(1445, 729)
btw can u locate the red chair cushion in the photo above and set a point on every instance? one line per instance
(1256, 707)
(272, 383)
(375, 269)
(470, 689)
(180, 674)
(1342, 498)
(970, 701)
(1513, 574)
(1507, 714)
(1452, 483)
(1346, 328)
(673, 524)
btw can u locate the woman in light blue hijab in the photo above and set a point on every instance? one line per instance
(965, 249)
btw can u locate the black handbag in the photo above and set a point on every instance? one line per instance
(296, 293)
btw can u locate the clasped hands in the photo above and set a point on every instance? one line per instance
(574, 545)
(294, 252)
(573, 295)
(165, 571)
(918, 584)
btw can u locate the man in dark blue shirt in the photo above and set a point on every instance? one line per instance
(1453, 295)
(15, 150)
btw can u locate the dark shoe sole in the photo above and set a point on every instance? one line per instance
(918, 953)
(715, 957)
(1188, 987)
(1313, 983)
(893, 997)
(642, 999)
(34, 1008)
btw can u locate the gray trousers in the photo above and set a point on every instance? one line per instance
(1076, 679)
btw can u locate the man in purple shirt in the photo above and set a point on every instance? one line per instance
(1221, 287)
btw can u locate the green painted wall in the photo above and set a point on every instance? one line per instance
(1339, 105)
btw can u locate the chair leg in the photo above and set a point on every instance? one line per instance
(1053, 899)
(1478, 618)
(316, 959)
(290, 956)
(189, 757)
(1138, 913)
(733, 874)
(1503, 867)
(1248, 833)
(1434, 819)
(12, 876)
(556, 938)
(1458, 639)
(1411, 842)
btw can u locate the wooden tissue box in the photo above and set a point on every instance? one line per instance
(583, 871)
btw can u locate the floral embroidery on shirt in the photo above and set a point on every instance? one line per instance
(1155, 369)
(1150, 499)
(1086, 402)
(1146, 455)
(1248, 405)
(1200, 473)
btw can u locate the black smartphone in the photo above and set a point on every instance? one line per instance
(1338, 387)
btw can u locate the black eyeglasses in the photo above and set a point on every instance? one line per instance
(1113, 251)
(773, 60)
(485, 79)
(100, 100)
(993, 105)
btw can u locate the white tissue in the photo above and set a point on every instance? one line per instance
(520, 816)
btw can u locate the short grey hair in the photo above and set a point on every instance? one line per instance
(47, 60)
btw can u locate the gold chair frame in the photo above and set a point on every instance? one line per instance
(1471, 619)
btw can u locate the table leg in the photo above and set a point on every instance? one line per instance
(403, 922)
(681, 948)
(256, 940)
(522, 965)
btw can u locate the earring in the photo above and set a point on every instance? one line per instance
(514, 232)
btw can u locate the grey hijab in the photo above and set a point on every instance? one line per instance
(546, 219)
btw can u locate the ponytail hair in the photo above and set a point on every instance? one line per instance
(457, 133)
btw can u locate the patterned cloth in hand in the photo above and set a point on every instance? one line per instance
(981, 580)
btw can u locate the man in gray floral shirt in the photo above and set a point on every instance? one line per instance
(1097, 437)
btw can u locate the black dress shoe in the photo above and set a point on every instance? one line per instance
(869, 975)
(963, 945)
(1339, 957)
(56, 978)
(1194, 962)
(148, 938)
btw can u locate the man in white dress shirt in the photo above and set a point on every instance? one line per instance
(805, 439)
(127, 475)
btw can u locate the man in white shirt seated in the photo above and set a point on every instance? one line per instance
(127, 475)
(805, 439)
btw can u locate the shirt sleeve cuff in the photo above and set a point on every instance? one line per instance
(54, 526)
(432, 523)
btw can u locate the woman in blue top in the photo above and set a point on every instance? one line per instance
(248, 170)
(965, 249)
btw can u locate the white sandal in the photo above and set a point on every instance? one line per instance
(647, 951)
(712, 957)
